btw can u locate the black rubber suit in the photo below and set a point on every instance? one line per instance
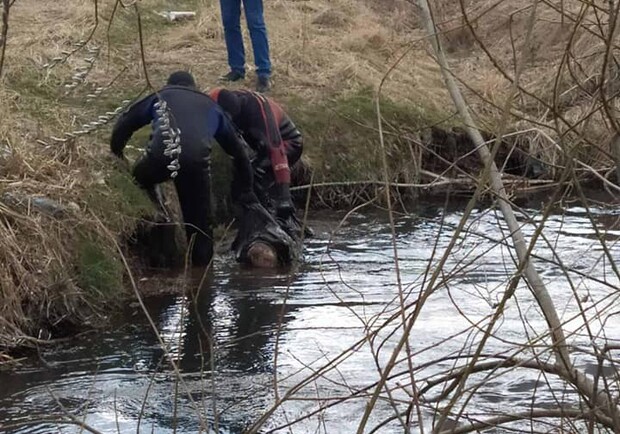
(276, 145)
(199, 121)
(274, 139)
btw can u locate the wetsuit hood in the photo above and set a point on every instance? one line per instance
(228, 100)
(181, 78)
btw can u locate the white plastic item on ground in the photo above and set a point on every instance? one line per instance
(177, 15)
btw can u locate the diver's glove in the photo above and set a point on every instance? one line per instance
(282, 202)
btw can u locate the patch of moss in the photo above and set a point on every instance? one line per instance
(342, 140)
(120, 202)
(134, 202)
(99, 270)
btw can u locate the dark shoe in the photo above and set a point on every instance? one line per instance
(232, 76)
(263, 83)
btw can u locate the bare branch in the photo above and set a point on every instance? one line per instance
(529, 415)
(56, 421)
(5, 30)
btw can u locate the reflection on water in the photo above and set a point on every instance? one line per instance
(222, 343)
(224, 340)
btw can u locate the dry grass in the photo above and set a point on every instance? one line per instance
(564, 68)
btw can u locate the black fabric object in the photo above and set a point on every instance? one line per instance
(229, 102)
(256, 224)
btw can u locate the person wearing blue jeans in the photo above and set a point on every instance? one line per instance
(231, 18)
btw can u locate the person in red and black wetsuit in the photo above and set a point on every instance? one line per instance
(273, 137)
(196, 122)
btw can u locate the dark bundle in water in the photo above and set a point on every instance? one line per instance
(265, 242)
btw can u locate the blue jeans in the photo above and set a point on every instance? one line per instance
(231, 18)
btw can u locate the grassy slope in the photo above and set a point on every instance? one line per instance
(329, 57)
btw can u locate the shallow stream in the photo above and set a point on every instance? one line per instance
(247, 331)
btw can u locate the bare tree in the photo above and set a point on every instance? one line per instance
(563, 365)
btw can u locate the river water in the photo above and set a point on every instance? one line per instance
(245, 332)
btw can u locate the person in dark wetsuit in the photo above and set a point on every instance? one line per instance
(184, 123)
(274, 138)
(266, 238)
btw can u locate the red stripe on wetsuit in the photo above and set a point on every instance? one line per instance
(277, 147)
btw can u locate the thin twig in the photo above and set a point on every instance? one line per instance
(142, 51)
(57, 421)
(5, 30)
